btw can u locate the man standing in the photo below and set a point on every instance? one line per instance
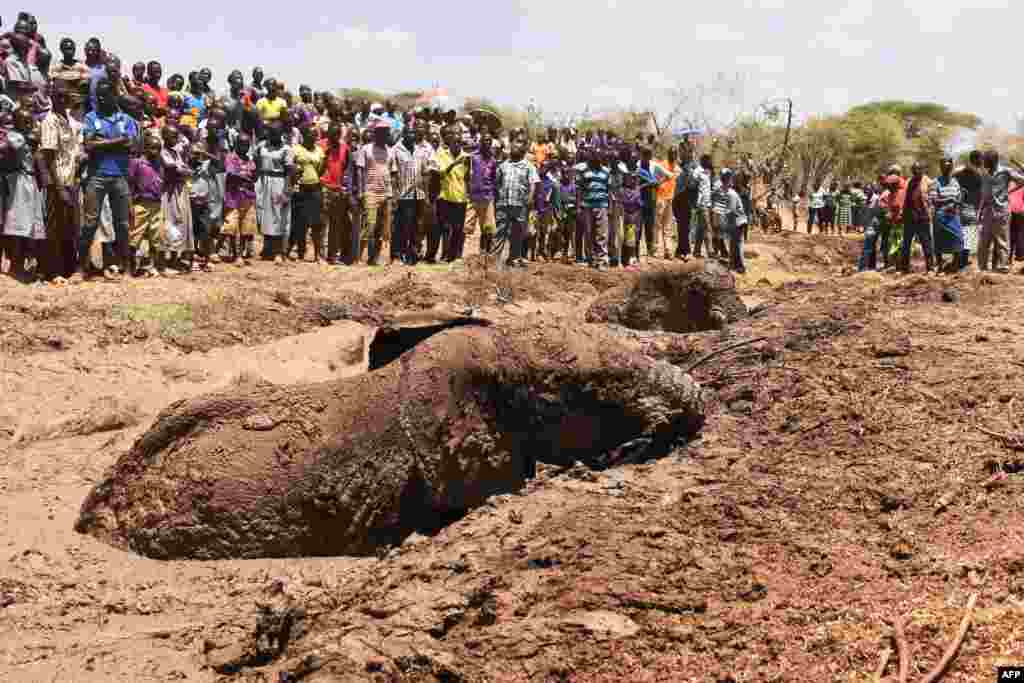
(483, 175)
(517, 180)
(917, 218)
(336, 195)
(651, 175)
(412, 162)
(700, 235)
(451, 166)
(995, 213)
(61, 144)
(665, 191)
(257, 90)
(109, 136)
(814, 209)
(373, 167)
(684, 200)
(970, 180)
(154, 74)
(69, 70)
(592, 198)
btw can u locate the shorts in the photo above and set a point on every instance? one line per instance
(629, 235)
(482, 215)
(147, 225)
(240, 222)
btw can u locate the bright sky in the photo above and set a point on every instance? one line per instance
(826, 54)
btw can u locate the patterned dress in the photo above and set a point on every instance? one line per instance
(23, 209)
(273, 198)
(844, 210)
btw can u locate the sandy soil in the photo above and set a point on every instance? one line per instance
(842, 480)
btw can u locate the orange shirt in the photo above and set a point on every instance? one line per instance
(540, 153)
(667, 189)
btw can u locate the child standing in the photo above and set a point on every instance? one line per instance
(541, 218)
(202, 187)
(567, 215)
(632, 215)
(177, 209)
(146, 180)
(735, 222)
(240, 202)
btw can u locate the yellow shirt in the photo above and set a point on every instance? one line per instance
(271, 110)
(453, 184)
(310, 163)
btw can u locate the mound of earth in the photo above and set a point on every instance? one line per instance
(700, 295)
(345, 467)
(409, 293)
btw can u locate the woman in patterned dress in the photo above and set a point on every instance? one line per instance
(274, 165)
(23, 206)
(844, 209)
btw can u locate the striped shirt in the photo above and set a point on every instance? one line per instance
(593, 187)
(945, 194)
(702, 180)
(411, 167)
(818, 199)
(719, 199)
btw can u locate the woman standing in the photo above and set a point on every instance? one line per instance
(844, 209)
(945, 196)
(23, 207)
(177, 206)
(306, 202)
(275, 162)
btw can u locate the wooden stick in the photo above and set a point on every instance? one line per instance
(902, 649)
(719, 352)
(951, 651)
(882, 662)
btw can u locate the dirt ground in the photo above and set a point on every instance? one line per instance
(844, 478)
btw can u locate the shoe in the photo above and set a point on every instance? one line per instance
(278, 261)
(600, 267)
(112, 274)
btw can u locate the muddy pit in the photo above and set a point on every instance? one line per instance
(335, 469)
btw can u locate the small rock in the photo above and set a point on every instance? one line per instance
(6, 600)
(259, 423)
(741, 407)
(515, 517)
(981, 338)
(951, 296)
(278, 585)
(57, 342)
(283, 298)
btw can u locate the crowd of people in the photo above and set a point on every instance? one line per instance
(110, 174)
(976, 210)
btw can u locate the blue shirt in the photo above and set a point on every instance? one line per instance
(108, 162)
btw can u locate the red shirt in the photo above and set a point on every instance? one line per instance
(335, 161)
(159, 93)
